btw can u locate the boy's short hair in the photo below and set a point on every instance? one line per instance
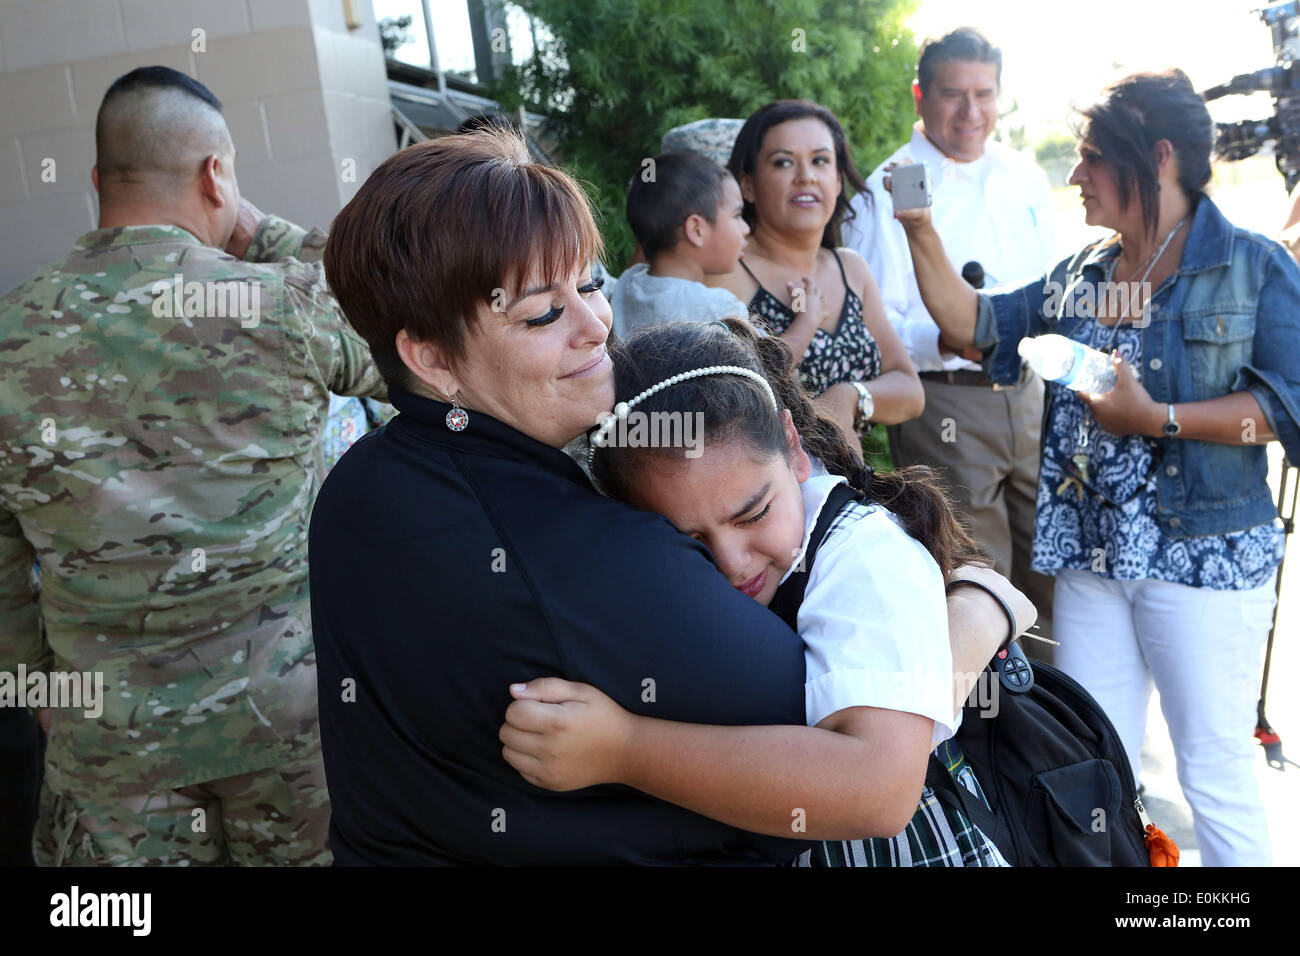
(683, 184)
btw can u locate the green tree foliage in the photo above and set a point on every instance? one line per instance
(395, 32)
(614, 75)
(1055, 147)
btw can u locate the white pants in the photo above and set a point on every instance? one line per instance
(1204, 649)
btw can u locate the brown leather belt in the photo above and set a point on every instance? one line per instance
(966, 376)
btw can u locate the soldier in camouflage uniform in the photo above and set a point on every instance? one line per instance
(159, 460)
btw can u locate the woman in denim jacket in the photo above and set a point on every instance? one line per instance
(1153, 509)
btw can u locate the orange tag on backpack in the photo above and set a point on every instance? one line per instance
(1162, 850)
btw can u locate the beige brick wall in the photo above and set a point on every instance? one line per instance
(306, 100)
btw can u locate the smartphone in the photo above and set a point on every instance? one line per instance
(911, 187)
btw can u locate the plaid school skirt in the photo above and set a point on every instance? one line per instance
(937, 835)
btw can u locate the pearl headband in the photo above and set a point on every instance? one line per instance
(622, 409)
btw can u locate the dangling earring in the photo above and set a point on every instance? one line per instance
(457, 418)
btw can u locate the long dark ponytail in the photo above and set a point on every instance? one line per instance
(737, 408)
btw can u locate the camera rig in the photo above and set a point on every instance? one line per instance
(1237, 141)
(1282, 129)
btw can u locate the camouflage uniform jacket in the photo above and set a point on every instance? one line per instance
(160, 463)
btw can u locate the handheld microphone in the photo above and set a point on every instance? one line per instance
(973, 273)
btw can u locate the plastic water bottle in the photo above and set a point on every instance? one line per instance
(1070, 363)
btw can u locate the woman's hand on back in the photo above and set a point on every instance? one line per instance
(563, 735)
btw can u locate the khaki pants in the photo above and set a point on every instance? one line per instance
(274, 817)
(985, 443)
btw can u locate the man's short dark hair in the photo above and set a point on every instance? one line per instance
(684, 184)
(162, 77)
(965, 44)
(156, 119)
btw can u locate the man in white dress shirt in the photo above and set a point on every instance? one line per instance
(992, 207)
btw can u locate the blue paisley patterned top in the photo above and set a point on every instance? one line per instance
(1116, 516)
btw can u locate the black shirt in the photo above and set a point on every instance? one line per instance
(446, 566)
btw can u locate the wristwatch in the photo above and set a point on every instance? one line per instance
(1172, 428)
(866, 405)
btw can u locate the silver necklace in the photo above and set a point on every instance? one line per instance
(1147, 265)
(1084, 434)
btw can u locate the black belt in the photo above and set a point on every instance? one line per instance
(966, 376)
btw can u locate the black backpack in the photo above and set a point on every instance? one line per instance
(1050, 761)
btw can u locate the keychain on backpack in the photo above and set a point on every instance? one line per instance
(1013, 668)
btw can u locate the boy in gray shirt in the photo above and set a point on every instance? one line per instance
(685, 211)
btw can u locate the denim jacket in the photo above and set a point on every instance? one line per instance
(1229, 322)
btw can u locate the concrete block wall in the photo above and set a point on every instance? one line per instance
(305, 97)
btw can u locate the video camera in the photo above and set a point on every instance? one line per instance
(1282, 129)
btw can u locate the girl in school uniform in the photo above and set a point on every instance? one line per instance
(873, 617)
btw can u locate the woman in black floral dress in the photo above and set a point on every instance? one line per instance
(791, 161)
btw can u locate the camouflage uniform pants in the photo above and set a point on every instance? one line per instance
(274, 817)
